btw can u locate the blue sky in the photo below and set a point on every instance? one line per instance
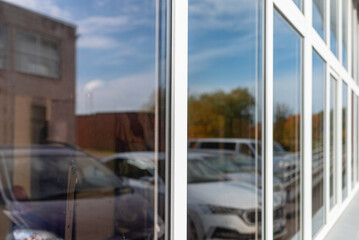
(115, 50)
(223, 45)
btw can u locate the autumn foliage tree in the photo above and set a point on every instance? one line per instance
(221, 114)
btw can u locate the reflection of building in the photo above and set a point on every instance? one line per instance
(37, 77)
(116, 132)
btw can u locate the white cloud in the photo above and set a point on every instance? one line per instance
(122, 94)
(92, 85)
(47, 7)
(100, 24)
(96, 42)
(225, 14)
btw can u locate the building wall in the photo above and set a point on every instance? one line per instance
(57, 96)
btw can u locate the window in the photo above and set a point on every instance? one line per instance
(334, 36)
(112, 103)
(318, 116)
(287, 114)
(319, 17)
(345, 34)
(36, 55)
(224, 103)
(344, 141)
(353, 140)
(333, 143)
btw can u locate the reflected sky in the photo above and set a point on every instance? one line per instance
(115, 50)
(318, 16)
(225, 53)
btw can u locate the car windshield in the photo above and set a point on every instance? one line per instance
(50, 174)
(200, 172)
(222, 163)
(277, 149)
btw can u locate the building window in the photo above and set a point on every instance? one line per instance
(334, 27)
(287, 114)
(36, 55)
(318, 113)
(332, 142)
(224, 110)
(319, 17)
(344, 140)
(345, 34)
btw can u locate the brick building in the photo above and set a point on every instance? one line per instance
(37, 77)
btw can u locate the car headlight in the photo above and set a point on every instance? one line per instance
(283, 164)
(21, 234)
(248, 216)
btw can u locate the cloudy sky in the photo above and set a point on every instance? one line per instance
(115, 50)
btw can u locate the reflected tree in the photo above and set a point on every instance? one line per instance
(221, 114)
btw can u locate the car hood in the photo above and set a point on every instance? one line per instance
(227, 194)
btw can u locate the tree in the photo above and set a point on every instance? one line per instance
(221, 114)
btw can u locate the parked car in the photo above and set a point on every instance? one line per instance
(50, 189)
(218, 208)
(224, 163)
(247, 154)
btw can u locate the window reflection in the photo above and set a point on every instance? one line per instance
(287, 78)
(319, 17)
(353, 140)
(344, 141)
(225, 122)
(318, 116)
(83, 84)
(332, 143)
(345, 34)
(334, 27)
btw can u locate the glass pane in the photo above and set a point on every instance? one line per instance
(318, 113)
(345, 33)
(332, 142)
(287, 78)
(49, 49)
(356, 130)
(224, 121)
(83, 156)
(25, 42)
(353, 45)
(319, 16)
(334, 28)
(353, 139)
(344, 140)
